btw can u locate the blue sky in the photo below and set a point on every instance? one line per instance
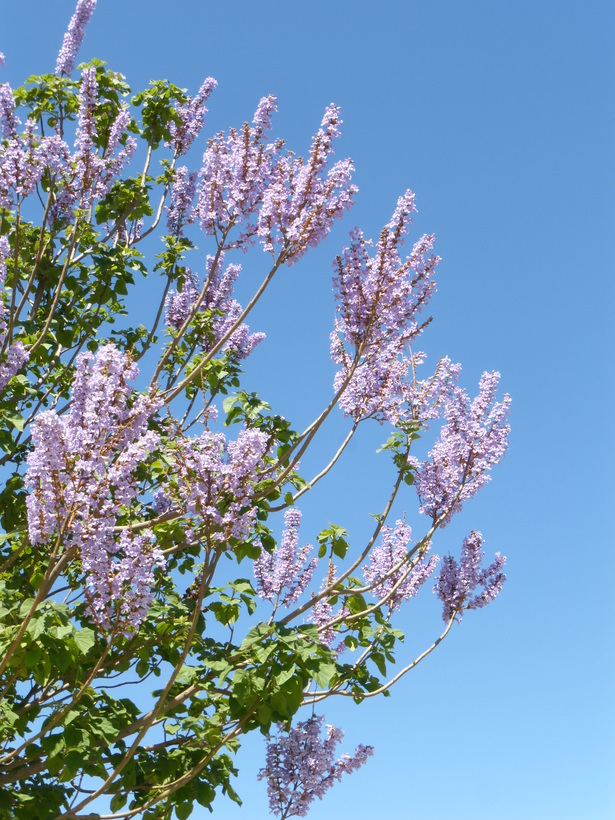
(501, 118)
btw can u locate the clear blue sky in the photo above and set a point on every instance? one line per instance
(500, 116)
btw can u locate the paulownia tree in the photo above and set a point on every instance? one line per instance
(151, 536)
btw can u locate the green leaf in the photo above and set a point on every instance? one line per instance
(142, 668)
(85, 639)
(378, 659)
(33, 654)
(229, 402)
(36, 627)
(14, 419)
(118, 801)
(25, 607)
(184, 810)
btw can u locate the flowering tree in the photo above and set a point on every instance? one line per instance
(124, 510)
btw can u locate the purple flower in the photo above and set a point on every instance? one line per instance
(178, 305)
(236, 171)
(323, 613)
(15, 355)
(74, 36)
(379, 298)
(388, 571)
(304, 197)
(473, 439)
(300, 766)
(60, 165)
(8, 119)
(21, 165)
(94, 174)
(458, 581)
(11, 362)
(287, 568)
(426, 399)
(47, 477)
(82, 470)
(192, 118)
(181, 211)
(119, 578)
(223, 311)
(213, 484)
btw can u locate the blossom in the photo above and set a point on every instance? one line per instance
(82, 470)
(60, 165)
(8, 119)
(388, 572)
(12, 362)
(425, 399)
(179, 304)
(304, 197)
(222, 311)
(379, 299)
(74, 36)
(287, 568)
(94, 174)
(457, 581)
(47, 477)
(191, 116)
(181, 211)
(119, 578)
(473, 439)
(300, 765)
(21, 165)
(323, 612)
(213, 483)
(15, 354)
(237, 169)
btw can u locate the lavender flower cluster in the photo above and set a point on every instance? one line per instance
(94, 174)
(472, 440)
(301, 202)
(379, 298)
(283, 200)
(23, 157)
(81, 476)
(180, 212)
(217, 302)
(393, 581)
(300, 766)
(286, 570)
(79, 178)
(324, 613)
(213, 484)
(74, 36)
(457, 581)
(12, 356)
(235, 173)
(191, 117)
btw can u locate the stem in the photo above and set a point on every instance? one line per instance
(322, 473)
(153, 714)
(329, 590)
(52, 722)
(194, 310)
(205, 361)
(39, 255)
(56, 295)
(318, 696)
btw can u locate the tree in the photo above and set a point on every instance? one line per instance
(140, 525)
